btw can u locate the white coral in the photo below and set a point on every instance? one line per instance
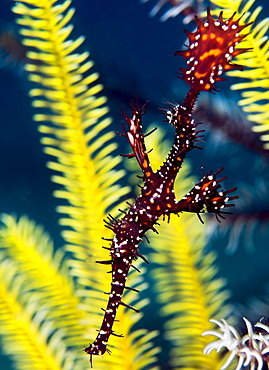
(252, 349)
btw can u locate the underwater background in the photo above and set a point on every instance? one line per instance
(134, 55)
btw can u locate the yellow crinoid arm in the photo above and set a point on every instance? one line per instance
(39, 310)
(186, 283)
(74, 125)
(42, 312)
(255, 95)
(44, 272)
